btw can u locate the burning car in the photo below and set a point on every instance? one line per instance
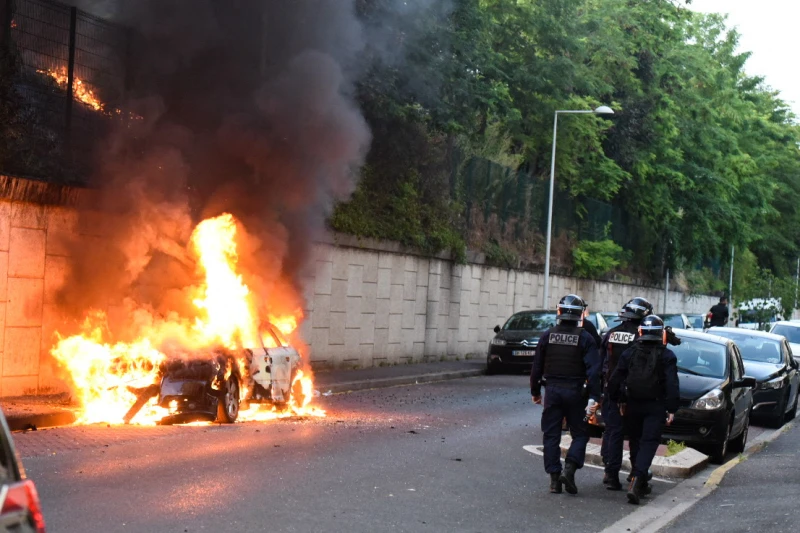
(215, 385)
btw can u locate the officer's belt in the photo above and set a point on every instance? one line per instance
(563, 383)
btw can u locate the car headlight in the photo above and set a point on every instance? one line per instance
(776, 383)
(498, 342)
(713, 399)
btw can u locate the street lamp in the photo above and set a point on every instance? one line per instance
(602, 110)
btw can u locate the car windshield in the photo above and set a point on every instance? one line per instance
(528, 321)
(593, 319)
(612, 320)
(701, 358)
(696, 321)
(675, 321)
(755, 348)
(792, 333)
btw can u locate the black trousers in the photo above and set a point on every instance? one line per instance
(645, 422)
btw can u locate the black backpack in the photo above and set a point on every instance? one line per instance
(644, 373)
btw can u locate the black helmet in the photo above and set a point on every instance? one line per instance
(636, 309)
(571, 307)
(652, 330)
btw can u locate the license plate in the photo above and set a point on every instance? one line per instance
(523, 352)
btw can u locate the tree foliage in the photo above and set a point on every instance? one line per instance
(702, 154)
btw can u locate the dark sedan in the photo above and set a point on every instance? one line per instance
(716, 395)
(768, 358)
(514, 344)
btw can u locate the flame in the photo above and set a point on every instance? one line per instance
(108, 377)
(80, 90)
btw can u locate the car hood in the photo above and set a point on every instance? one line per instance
(692, 387)
(761, 371)
(520, 335)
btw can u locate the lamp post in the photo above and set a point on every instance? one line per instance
(602, 110)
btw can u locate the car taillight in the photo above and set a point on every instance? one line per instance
(23, 496)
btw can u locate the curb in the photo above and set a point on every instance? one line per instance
(40, 420)
(665, 508)
(369, 384)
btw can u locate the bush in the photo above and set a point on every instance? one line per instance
(596, 258)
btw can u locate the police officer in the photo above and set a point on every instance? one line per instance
(566, 358)
(645, 385)
(615, 342)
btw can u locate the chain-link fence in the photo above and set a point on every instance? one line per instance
(68, 78)
(510, 207)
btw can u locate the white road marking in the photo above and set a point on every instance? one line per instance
(536, 451)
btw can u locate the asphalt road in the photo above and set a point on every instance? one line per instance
(438, 457)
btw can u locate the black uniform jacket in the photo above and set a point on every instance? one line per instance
(591, 358)
(669, 378)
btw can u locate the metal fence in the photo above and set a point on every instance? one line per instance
(69, 71)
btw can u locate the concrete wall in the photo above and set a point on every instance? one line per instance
(368, 303)
(373, 303)
(32, 265)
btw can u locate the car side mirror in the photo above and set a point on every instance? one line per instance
(746, 382)
(497, 329)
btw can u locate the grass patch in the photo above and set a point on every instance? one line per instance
(674, 448)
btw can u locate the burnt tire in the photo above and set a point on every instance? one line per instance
(228, 405)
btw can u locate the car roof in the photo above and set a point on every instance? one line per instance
(694, 334)
(524, 311)
(749, 333)
(787, 323)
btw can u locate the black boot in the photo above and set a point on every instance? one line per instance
(568, 477)
(606, 477)
(647, 488)
(613, 482)
(635, 490)
(555, 483)
(649, 476)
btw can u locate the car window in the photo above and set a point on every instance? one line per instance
(675, 321)
(278, 335)
(736, 362)
(528, 321)
(703, 358)
(268, 338)
(755, 348)
(792, 333)
(593, 319)
(696, 321)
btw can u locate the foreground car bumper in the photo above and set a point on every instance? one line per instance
(511, 355)
(697, 427)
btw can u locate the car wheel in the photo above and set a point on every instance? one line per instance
(228, 406)
(793, 411)
(720, 450)
(739, 443)
(777, 420)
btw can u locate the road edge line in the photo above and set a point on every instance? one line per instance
(664, 509)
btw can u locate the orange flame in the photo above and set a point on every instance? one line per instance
(108, 377)
(80, 90)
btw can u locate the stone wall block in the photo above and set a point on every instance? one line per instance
(25, 215)
(355, 274)
(20, 386)
(26, 253)
(339, 295)
(5, 224)
(21, 351)
(24, 304)
(323, 277)
(384, 282)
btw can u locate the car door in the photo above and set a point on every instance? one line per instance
(794, 374)
(740, 396)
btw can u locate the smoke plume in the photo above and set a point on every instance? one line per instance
(245, 107)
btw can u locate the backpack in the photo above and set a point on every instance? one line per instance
(644, 373)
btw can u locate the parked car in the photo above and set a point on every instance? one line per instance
(20, 509)
(767, 357)
(514, 344)
(758, 313)
(599, 322)
(208, 386)
(677, 321)
(715, 396)
(790, 330)
(697, 321)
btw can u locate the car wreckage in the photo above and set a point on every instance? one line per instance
(208, 386)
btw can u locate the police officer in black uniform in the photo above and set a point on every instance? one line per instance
(615, 342)
(645, 385)
(566, 358)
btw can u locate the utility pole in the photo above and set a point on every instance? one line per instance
(796, 281)
(730, 286)
(666, 292)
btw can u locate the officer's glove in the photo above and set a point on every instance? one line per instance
(671, 337)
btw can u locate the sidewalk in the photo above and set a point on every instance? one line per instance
(759, 494)
(29, 412)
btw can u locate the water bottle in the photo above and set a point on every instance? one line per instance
(589, 410)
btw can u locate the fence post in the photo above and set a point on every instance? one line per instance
(6, 15)
(73, 22)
